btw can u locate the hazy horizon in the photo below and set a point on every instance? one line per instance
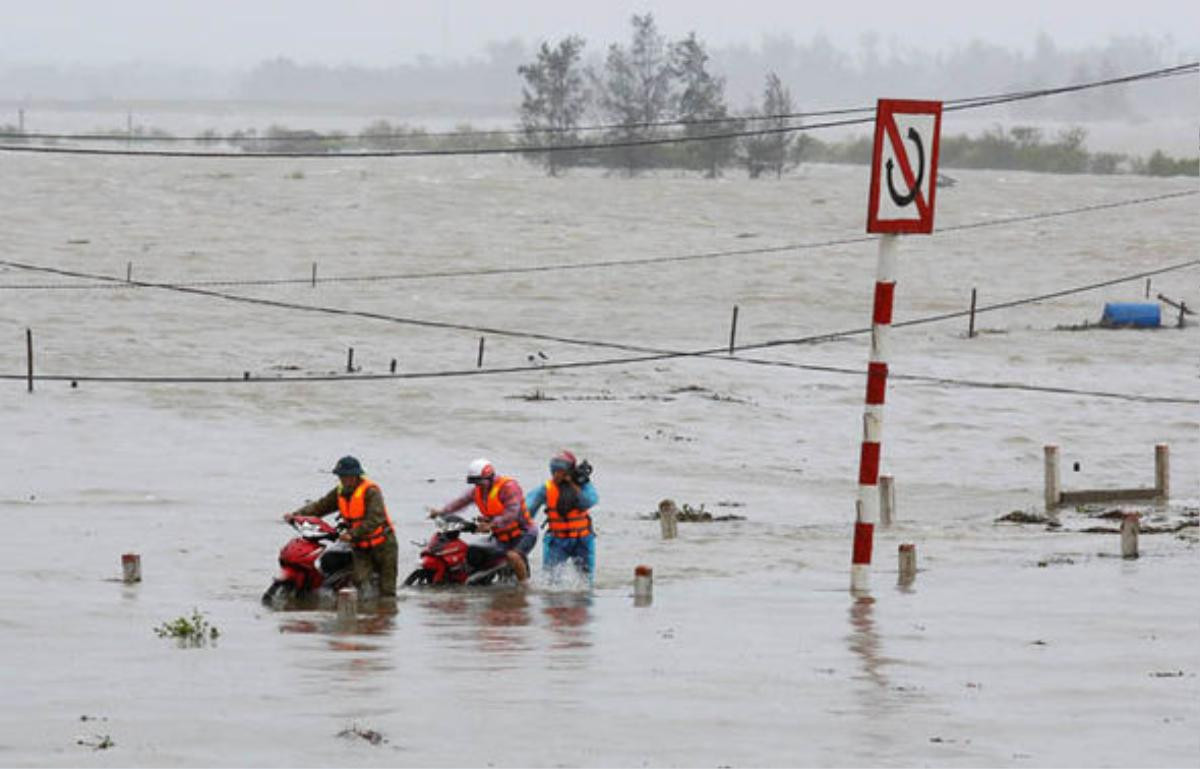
(226, 36)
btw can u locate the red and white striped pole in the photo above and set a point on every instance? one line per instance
(872, 442)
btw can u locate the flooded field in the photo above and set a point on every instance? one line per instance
(1014, 646)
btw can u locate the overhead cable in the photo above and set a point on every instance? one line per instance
(961, 104)
(298, 136)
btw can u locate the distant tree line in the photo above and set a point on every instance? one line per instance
(651, 90)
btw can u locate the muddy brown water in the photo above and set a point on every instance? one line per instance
(1014, 646)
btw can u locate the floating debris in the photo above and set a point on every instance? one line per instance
(97, 742)
(693, 514)
(370, 735)
(1020, 516)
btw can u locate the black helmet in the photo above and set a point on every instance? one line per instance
(347, 465)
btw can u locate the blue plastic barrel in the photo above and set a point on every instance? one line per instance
(1132, 314)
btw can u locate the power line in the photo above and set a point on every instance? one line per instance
(121, 283)
(649, 354)
(299, 135)
(963, 104)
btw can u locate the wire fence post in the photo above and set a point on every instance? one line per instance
(1147, 288)
(128, 272)
(29, 358)
(971, 327)
(479, 363)
(350, 361)
(314, 275)
(21, 121)
(733, 329)
(393, 366)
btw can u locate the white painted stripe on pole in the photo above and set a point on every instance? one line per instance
(868, 503)
(881, 344)
(873, 424)
(885, 268)
(860, 577)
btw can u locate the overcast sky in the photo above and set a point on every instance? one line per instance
(237, 34)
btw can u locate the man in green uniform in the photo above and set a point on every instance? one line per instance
(369, 528)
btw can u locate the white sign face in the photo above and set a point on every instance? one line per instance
(904, 167)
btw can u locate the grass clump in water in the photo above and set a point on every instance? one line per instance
(189, 631)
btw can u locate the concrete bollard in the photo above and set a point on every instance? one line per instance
(1129, 535)
(908, 563)
(887, 500)
(1053, 479)
(643, 586)
(131, 568)
(347, 604)
(668, 518)
(1162, 471)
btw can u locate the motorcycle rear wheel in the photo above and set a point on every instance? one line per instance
(419, 577)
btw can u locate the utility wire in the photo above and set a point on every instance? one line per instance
(120, 283)
(949, 104)
(968, 103)
(653, 354)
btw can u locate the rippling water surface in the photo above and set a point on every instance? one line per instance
(1014, 646)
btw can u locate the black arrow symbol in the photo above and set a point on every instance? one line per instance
(904, 200)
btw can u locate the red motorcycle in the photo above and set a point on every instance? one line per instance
(311, 561)
(447, 560)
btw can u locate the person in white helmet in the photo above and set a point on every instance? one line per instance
(501, 504)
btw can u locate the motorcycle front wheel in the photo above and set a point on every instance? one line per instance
(419, 577)
(278, 594)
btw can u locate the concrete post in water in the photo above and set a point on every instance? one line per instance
(908, 563)
(1162, 471)
(1129, 535)
(1053, 482)
(347, 604)
(887, 500)
(479, 363)
(29, 358)
(733, 329)
(643, 586)
(971, 327)
(668, 518)
(131, 568)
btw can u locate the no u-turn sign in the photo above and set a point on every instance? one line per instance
(904, 166)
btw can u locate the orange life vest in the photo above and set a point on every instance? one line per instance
(354, 509)
(492, 507)
(571, 524)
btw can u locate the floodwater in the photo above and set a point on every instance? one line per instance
(1014, 646)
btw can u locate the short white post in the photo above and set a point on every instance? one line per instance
(887, 499)
(643, 586)
(1162, 471)
(1053, 482)
(908, 563)
(1129, 535)
(347, 604)
(668, 518)
(131, 568)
